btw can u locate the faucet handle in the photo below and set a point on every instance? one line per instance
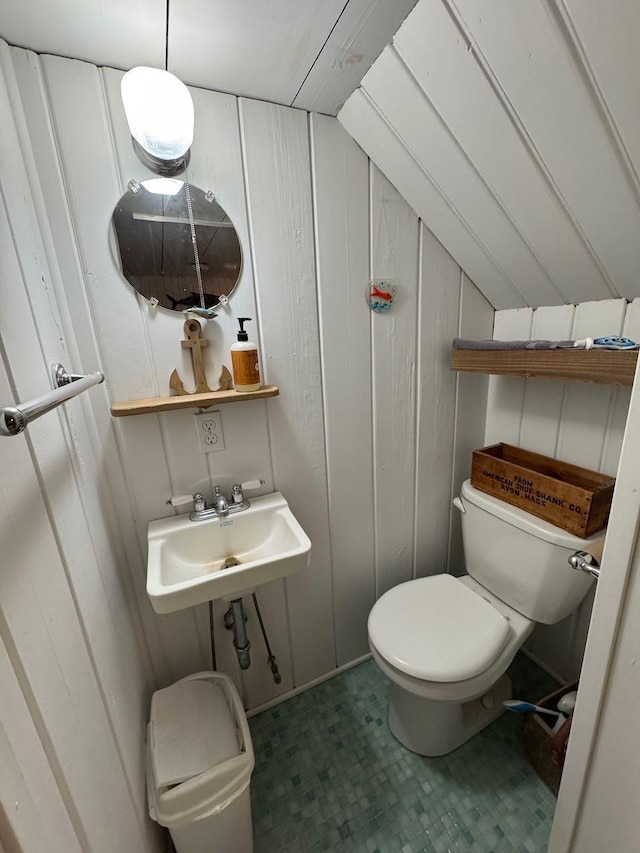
(252, 484)
(237, 493)
(179, 500)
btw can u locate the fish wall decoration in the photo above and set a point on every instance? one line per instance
(381, 293)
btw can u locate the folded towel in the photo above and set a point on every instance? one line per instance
(612, 342)
(461, 343)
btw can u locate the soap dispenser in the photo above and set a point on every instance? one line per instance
(244, 360)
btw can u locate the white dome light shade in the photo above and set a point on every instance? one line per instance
(163, 186)
(159, 111)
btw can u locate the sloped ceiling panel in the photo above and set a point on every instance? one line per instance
(363, 30)
(513, 130)
(310, 54)
(261, 50)
(120, 33)
(305, 53)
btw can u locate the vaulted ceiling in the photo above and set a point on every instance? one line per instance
(304, 53)
(513, 129)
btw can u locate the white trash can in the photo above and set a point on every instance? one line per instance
(199, 765)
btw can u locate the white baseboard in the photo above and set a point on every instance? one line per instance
(284, 696)
(539, 662)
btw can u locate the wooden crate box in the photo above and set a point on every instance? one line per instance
(538, 738)
(573, 498)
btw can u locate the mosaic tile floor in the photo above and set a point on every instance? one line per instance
(330, 776)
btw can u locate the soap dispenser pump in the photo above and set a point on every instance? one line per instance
(244, 360)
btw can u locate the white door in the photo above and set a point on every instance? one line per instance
(599, 802)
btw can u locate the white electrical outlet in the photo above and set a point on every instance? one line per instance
(209, 430)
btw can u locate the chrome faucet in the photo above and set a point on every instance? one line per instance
(221, 506)
(220, 503)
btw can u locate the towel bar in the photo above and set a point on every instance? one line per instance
(15, 419)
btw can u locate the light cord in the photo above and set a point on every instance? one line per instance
(192, 226)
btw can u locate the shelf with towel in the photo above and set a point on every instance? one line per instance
(153, 405)
(604, 367)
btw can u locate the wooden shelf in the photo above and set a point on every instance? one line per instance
(605, 367)
(153, 405)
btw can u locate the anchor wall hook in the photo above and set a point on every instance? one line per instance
(196, 344)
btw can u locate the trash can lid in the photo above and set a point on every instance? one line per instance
(199, 752)
(193, 730)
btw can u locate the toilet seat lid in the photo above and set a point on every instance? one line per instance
(437, 629)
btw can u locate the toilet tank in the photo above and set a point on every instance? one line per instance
(520, 558)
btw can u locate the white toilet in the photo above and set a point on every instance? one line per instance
(446, 642)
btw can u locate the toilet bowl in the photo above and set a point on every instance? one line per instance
(446, 642)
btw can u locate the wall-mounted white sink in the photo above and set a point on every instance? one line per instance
(186, 558)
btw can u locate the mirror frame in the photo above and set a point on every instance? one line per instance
(134, 187)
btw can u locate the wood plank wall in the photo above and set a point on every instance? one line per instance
(576, 422)
(509, 128)
(75, 670)
(361, 439)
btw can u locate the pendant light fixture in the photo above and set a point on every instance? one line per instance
(159, 112)
(160, 116)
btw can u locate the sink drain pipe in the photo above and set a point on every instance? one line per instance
(240, 638)
(235, 620)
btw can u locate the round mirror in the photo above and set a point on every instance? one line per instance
(153, 239)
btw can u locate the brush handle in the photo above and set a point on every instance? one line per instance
(524, 707)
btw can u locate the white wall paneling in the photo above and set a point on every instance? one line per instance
(143, 367)
(506, 394)
(341, 192)
(543, 401)
(41, 820)
(394, 255)
(415, 120)
(370, 128)
(50, 195)
(439, 300)
(362, 396)
(101, 594)
(91, 183)
(473, 97)
(277, 163)
(576, 422)
(585, 413)
(217, 165)
(66, 620)
(476, 322)
(52, 660)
